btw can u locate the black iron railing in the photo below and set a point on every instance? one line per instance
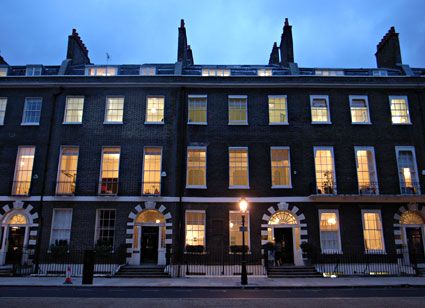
(151, 188)
(368, 188)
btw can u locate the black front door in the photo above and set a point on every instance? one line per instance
(415, 244)
(149, 245)
(284, 246)
(15, 245)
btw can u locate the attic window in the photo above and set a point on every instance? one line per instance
(3, 71)
(148, 71)
(222, 72)
(264, 72)
(34, 70)
(102, 71)
(329, 73)
(380, 73)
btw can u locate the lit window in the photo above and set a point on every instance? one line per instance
(281, 167)
(407, 170)
(148, 71)
(197, 109)
(61, 227)
(74, 110)
(329, 231)
(102, 71)
(196, 167)
(411, 218)
(283, 218)
(325, 170)
(215, 72)
(320, 109)
(366, 171)
(278, 109)
(359, 110)
(109, 171)
(23, 171)
(18, 219)
(105, 228)
(195, 231)
(372, 231)
(3, 104)
(238, 110)
(33, 70)
(155, 110)
(3, 71)
(264, 72)
(114, 109)
(329, 73)
(399, 110)
(32, 111)
(67, 173)
(152, 171)
(235, 233)
(238, 168)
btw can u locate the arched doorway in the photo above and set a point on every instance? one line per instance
(412, 225)
(149, 238)
(15, 230)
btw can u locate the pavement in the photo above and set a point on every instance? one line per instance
(223, 282)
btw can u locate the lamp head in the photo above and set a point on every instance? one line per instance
(243, 205)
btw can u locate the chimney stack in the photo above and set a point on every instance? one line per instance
(189, 55)
(388, 53)
(184, 52)
(274, 55)
(77, 52)
(2, 61)
(286, 45)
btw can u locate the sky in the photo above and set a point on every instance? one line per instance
(326, 33)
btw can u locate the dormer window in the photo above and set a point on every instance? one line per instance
(148, 71)
(221, 72)
(102, 71)
(264, 72)
(329, 73)
(379, 73)
(3, 71)
(33, 70)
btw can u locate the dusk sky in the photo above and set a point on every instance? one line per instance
(326, 33)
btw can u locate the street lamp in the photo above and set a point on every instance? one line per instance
(243, 205)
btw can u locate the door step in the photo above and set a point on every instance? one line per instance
(142, 272)
(293, 272)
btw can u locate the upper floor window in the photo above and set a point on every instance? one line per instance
(109, 171)
(215, 72)
(265, 72)
(152, 160)
(278, 109)
(359, 108)
(197, 109)
(102, 71)
(3, 71)
(379, 73)
(281, 167)
(32, 111)
(74, 110)
(67, 171)
(3, 104)
(399, 110)
(196, 167)
(35, 70)
(238, 110)
(366, 171)
(23, 170)
(329, 72)
(407, 170)
(325, 170)
(320, 113)
(238, 168)
(105, 228)
(372, 231)
(330, 240)
(235, 234)
(195, 231)
(114, 109)
(148, 71)
(154, 110)
(61, 227)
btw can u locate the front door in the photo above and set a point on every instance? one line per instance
(15, 245)
(415, 244)
(284, 246)
(149, 245)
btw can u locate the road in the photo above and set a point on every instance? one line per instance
(71, 296)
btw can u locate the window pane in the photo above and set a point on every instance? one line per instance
(372, 231)
(110, 170)
(238, 111)
(359, 111)
(407, 172)
(329, 231)
(399, 111)
(196, 167)
(61, 226)
(152, 171)
(280, 167)
(366, 175)
(74, 110)
(155, 110)
(277, 109)
(197, 110)
(235, 223)
(147, 71)
(324, 165)
(319, 110)
(105, 227)
(238, 167)
(114, 109)
(23, 171)
(264, 72)
(195, 229)
(32, 111)
(3, 104)
(67, 174)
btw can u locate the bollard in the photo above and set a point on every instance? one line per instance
(88, 267)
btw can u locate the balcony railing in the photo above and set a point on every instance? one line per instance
(21, 188)
(66, 188)
(108, 186)
(412, 188)
(327, 188)
(368, 188)
(151, 188)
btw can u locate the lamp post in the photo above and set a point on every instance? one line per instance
(243, 205)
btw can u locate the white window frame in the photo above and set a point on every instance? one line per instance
(99, 189)
(4, 69)
(360, 97)
(289, 166)
(246, 110)
(330, 251)
(59, 165)
(147, 110)
(329, 72)
(148, 68)
(23, 112)
(206, 167)
(325, 97)
(213, 72)
(383, 251)
(105, 121)
(206, 110)
(372, 149)
(264, 72)
(412, 149)
(16, 169)
(53, 219)
(97, 225)
(5, 108)
(96, 67)
(331, 148)
(228, 166)
(248, 235)
(391, 97)
(31, 69)
(286, 106)
(160, 168)
(205, 227)
(66, 105)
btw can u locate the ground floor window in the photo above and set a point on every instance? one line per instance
(372, 231)
(235, 234)
(329, 231)
(61, 227)
(105, 227)
(195, 231)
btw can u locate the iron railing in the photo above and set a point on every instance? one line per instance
(108, 186)
(368, 188)
(151, 188)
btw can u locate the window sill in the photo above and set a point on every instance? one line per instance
(401, 123)
(279, 123)
(197, 123)
(320, 123)
(112, 123)
(238, 124)
(154, 123)
(375, 252)
(195, 187)
(72, 123)
(361, 123)
(282, 187)
(332, 252)
(30, 124)
(238, 187)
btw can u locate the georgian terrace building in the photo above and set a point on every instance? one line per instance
(155, 157)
